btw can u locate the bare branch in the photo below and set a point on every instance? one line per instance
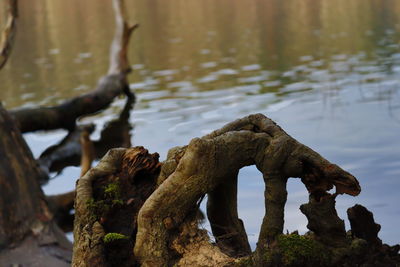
(119, 47)
(8, 35)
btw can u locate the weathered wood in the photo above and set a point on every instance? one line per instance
(363, 225)
(226, 226)
(210, 161)
(25, 219)
(64, 116)
(324, 221)
(119, 48)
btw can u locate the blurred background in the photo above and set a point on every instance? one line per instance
(327, 71)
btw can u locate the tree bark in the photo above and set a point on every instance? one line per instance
(28, 234)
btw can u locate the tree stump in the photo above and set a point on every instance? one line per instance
(28, 234)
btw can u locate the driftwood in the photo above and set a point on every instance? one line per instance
(8, 35)
(167, 231)
(64, 116)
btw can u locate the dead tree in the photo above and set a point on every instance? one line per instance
(64, 116)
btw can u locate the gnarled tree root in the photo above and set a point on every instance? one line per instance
(164, 231)
(209, 165)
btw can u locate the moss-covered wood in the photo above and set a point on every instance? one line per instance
(108, 200)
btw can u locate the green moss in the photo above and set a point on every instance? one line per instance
(244, 262)
(111, 237)
(112, 190)
(109, 198)
(297, 250)
(117, 202)
(98, 208)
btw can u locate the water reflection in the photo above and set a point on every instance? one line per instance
(327, 71)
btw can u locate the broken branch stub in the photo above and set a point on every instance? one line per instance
(119, 47)
(363, 225)
(324, 221)
(209, 165)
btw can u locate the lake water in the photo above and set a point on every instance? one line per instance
(327, 71)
